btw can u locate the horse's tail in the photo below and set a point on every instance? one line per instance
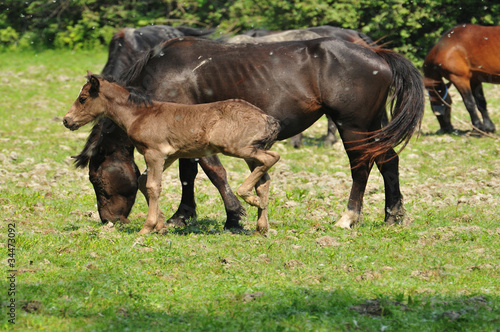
(90, 148)
(407, 109)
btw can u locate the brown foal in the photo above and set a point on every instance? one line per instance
(164, 132)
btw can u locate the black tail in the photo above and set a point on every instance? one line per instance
(407, 108)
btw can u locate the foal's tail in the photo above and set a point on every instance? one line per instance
(407, 109)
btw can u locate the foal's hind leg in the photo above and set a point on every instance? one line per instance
(262, 189)
(394, 209)
(264, 160)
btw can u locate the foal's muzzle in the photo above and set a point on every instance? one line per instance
(70, 124)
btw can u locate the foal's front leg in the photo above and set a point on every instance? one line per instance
(154, 162)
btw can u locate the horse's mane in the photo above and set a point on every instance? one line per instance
(139, 96)
(131, 74)
(89, 150)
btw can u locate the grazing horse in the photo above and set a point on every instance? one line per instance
(297, 82)
(467, 56)
(267, 36)
(108, 152)
(164, 132)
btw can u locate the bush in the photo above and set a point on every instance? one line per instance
(410, 27)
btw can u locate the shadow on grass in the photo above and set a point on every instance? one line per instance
(459, 132)
(269, 309)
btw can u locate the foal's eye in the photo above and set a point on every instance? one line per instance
(82, 99)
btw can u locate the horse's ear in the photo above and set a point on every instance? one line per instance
(94, 83)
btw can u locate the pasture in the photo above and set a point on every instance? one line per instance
(440, 272)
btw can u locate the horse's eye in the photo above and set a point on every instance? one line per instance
(82, 99)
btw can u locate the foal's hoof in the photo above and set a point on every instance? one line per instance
(254, 201)
(159, 226)
(145, 230)
(262, 233)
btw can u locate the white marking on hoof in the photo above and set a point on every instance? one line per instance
(348, 219)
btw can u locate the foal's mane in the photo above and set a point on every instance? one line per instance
(137, 95)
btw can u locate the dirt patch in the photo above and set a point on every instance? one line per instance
(249, 297)
(293, 264)
(327, 241)
(378, 307)
(32, 306)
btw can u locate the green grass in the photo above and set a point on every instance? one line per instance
(439, 273)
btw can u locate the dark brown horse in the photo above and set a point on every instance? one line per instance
(164, 132)
(466, 56)
(266, 36)
(108, 151)
(298, 82)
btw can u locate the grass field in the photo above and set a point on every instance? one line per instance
(73, 274)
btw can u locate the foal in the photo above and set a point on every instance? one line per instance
(164, 132)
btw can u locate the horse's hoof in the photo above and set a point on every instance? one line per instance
(177, 222)
(348, 219)
(396, 215)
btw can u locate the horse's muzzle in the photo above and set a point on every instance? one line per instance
(70, 124)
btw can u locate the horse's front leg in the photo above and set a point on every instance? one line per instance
(394, 209)
(217, 174)
(188, 169)
(154, 161)
(330, 138)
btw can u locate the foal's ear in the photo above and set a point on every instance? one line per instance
(94, 83)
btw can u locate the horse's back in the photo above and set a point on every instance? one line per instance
(302, 77)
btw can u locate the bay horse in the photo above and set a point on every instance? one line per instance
(466, 56)
(268, 36)
(297, 82)
(164, 132)
(108, 152)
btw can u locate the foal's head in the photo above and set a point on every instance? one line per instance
(87, 107)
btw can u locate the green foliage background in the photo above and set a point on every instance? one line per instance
(411, 27)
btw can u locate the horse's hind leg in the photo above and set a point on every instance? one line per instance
(464, 87)
(262, 189)
(394, 209)
(477, 90)
(359, 174)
